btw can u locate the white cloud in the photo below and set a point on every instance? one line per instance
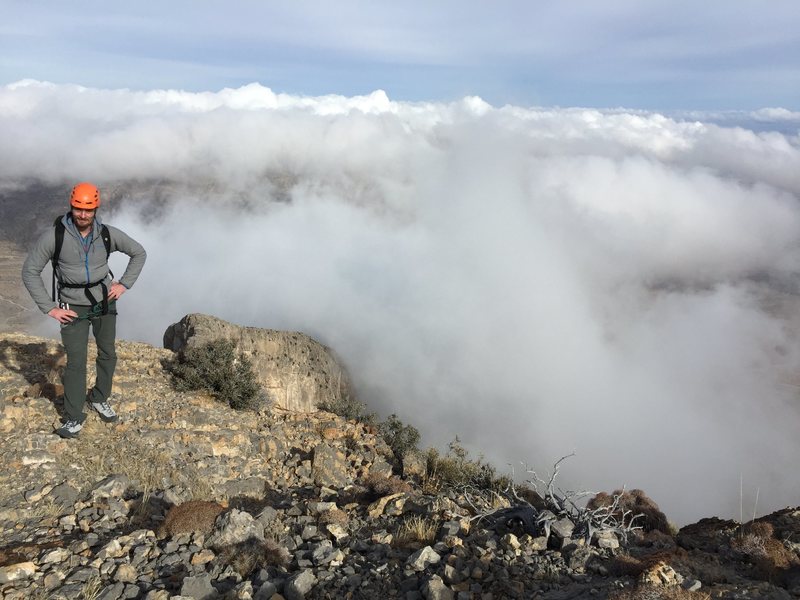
(777, 114)
(533, 280)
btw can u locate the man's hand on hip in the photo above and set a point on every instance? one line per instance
(62, 315)
(116, 290)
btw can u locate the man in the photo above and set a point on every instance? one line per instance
(86, 296)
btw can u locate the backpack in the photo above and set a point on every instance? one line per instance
(60, 229)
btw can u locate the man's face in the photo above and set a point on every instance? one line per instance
(82, 218)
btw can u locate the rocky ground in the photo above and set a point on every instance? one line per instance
(186, 498)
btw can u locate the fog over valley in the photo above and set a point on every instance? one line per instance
(537, 281)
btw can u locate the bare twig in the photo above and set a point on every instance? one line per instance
(566, 504)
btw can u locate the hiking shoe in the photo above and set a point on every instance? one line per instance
(70, 429)
(105, 411)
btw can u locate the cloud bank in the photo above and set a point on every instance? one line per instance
(536, 281)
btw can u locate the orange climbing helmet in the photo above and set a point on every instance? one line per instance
(85, 195)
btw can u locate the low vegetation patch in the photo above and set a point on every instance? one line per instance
(217, 368)
(348, 407)
(334, 516)
(189, 517)
(456, 469)
(633, 504)
(379, 485)
(253, 554)
(417, 530)
(400, 437)
(651, 592)
(773, 560)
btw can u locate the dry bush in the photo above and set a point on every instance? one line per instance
(46, 507)
(334, 516)
(416, 530)
(91, 588)
(624, 565)
(379, 485)
(191, 516)
(148, 468)
(650, 592)
(772, 559)
(531, 496)
(194, 483)
(356, 493)
(457, 469)
(250, 555)
(655, 539)
(103, 454)
(633, 502)
(633, 566)
(431, 484)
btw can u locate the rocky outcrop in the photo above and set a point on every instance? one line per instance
(186, 497)
(297, 372)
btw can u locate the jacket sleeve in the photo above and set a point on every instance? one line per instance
(32, 268)
(122, 242)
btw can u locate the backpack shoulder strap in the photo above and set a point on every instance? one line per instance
(59, 226)
(59, 229)
(106, 235)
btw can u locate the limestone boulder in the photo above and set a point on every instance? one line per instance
(297, 372)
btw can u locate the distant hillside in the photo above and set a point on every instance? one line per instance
(29, 206)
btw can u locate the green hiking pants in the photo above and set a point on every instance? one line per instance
(75, 337)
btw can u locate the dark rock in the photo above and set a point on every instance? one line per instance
(252, 487)
(329, 467)
(299, 585)
(199, 588)
(112, 592)
(113, 486)
(435, 589)
(63, 495)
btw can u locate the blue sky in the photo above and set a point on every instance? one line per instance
(657, 55)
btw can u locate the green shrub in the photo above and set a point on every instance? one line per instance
(349, 408)
(401, 438)
(215, 366)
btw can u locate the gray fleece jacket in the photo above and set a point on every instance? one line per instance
(79, 265)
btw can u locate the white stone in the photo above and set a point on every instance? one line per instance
(338, 532)
(36, 459)
(112, 549)
(510, 542)
(422, 558)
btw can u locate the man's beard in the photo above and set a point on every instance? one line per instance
(82, 222)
